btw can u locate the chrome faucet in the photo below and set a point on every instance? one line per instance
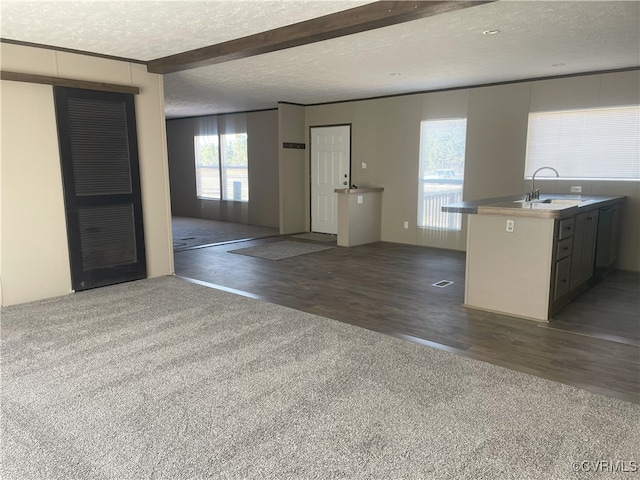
(535, 194)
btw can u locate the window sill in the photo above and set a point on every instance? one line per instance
(209, 199)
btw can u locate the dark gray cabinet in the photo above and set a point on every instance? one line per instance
(562, 278)
(607, 237)
(584, 248)
(584, 245)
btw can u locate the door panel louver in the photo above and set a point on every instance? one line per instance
(99, 147)
(107, 236)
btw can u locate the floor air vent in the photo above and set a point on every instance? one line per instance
(442, 283)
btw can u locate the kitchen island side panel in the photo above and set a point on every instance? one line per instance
(509, 272)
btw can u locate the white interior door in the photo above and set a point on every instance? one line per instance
(330, 169)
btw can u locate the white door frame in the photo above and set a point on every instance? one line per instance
(342, 180)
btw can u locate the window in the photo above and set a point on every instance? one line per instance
(595, 143)
(231, 182)
(442, 149)
(207, 166)
(235, 171)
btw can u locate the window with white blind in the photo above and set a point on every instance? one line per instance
(442, 151)
(594, 143)
(207, 150)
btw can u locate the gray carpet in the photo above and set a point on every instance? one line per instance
(194, 232)
(166, 379)
(281, 250)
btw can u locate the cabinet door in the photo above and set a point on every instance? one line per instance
(584, 245)
(561, 281)
(566, 228)
(563, 248)
(589, 252)
(607, 237)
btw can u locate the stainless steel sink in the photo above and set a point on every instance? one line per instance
(561, 201)
(565, 202)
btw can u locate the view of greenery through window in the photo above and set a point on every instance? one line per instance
(442, 151)
(230, 151)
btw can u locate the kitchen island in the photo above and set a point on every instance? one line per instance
(530, 258)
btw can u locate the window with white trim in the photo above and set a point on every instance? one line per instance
(594, 143)
(442, 151)
(207, 150)
(222, 169)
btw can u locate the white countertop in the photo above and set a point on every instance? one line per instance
(514, 206)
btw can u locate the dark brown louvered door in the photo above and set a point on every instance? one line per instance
(101, 177)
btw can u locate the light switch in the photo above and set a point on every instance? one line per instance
(364, 165)
(360, 199)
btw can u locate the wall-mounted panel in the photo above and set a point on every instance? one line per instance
(154, 179)
(263, 168)
(496, 140)
(38, 61)
(35, 258)
(96, 69)
(293, 165)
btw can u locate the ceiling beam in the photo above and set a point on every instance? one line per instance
(354, 20)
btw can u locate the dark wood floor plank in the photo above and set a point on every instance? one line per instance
(388, 288)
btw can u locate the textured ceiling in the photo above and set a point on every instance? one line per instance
(536, 39)
(148, 29)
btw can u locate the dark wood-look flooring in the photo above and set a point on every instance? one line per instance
(593, 344)
(191, 232)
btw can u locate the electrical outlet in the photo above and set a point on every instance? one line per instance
(510, 225)
(364, 165)
(576, 189)
(406, 224)
(360, 198)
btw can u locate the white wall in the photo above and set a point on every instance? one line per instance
(34, 259)
(33, 246)
(292, 171)
(385, 134)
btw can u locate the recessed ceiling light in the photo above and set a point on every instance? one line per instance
(491, 32)
(395, 74)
